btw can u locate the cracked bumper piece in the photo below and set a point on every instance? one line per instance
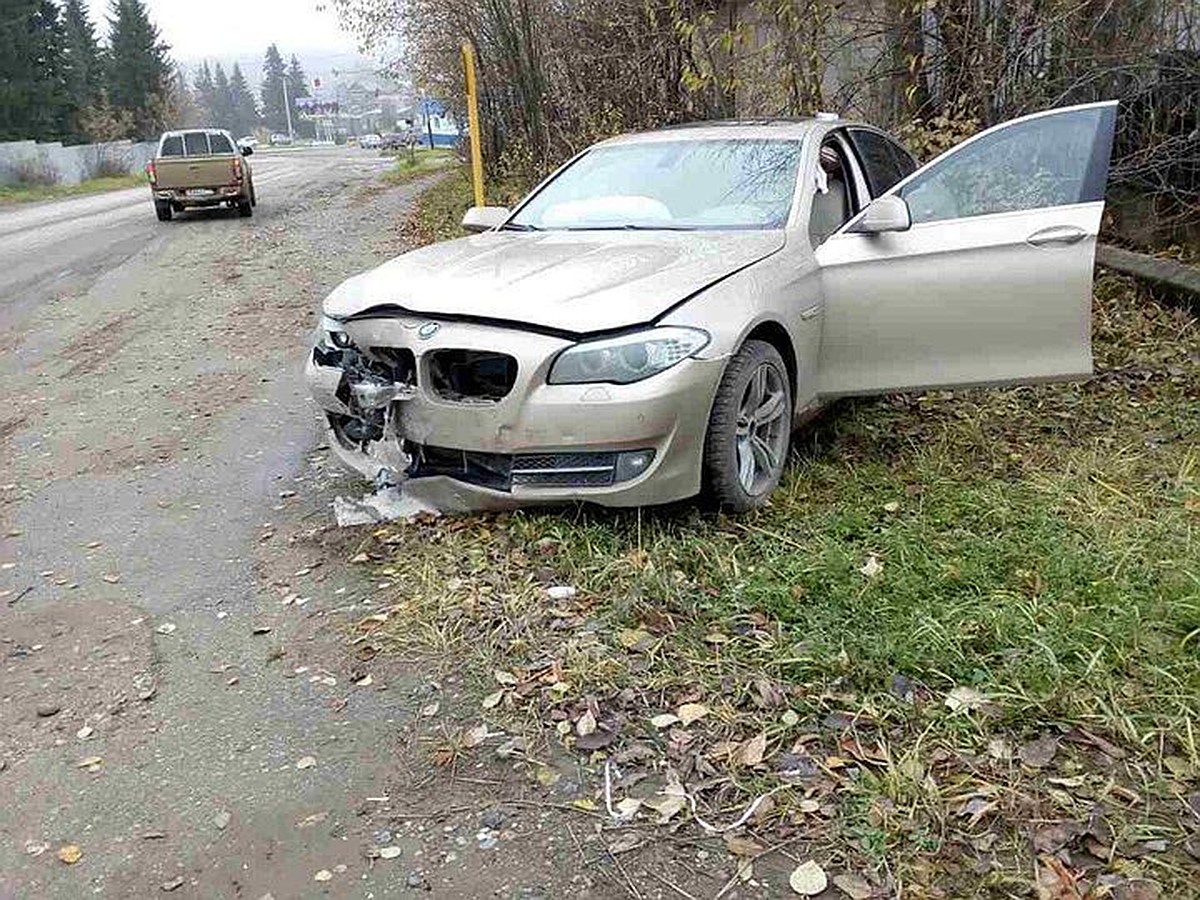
(615, 445)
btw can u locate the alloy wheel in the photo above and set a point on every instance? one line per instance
(762, 429)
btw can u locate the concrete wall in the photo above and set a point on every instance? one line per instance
(29, 161)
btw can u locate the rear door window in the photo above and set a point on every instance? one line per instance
(218, 143)
(172, 146)
(884, 163)
(196, 143)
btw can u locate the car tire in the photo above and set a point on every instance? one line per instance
(745, 454)
(163, 210)
(253, 196)
(245, 210)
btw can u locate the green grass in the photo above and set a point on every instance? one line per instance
(409, 166)
(29, 193)
(1040, 545)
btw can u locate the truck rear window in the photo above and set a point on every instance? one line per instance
(172, 146)
(218, 143)
(196, 143)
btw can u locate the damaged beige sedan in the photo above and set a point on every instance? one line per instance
(656, 318)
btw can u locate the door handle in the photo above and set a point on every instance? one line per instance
(1056, 235)
(810, 313)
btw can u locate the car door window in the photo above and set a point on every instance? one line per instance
(172, 146)
(218, 143)
(196, 143)
(1052, 160)
(884, 163)
(832, 205)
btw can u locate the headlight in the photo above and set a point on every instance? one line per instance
(626, 359)
(333, 332)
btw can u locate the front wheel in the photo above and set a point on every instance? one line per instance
(749, 429)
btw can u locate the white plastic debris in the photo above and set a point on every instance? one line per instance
(384, 505)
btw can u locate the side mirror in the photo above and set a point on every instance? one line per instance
(484, 218)
(889, 213)
(247, 150)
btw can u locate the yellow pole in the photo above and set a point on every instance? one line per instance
(468, 53)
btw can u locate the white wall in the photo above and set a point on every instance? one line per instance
(71, 165)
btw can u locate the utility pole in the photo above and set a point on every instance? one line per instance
(287, 109)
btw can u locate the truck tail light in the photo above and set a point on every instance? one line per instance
(151, 172)
(237, 169)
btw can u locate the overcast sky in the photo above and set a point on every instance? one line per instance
(198, 29)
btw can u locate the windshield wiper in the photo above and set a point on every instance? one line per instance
(518, 226)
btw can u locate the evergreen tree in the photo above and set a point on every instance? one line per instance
(222, 109)
(297, 80)
(139, 72)
(245, 111)
(206, 92)
(83, 74)
(274, 74)
(33, 98)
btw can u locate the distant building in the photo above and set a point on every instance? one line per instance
(431, 122)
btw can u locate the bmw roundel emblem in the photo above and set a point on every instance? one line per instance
(427, 330)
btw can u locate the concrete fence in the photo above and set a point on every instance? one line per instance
(28, 162)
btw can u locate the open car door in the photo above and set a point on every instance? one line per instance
(983, 274)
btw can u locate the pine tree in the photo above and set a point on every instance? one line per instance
(274, 74)
(82, 71)
(139, 72)
(222, 110)
(206, 92)
(245, 111)
(33, 98)
(297, 80)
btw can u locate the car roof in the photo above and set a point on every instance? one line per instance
(736, 129)
(178, 131)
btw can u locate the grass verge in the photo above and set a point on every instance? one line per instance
(960, 651)
(28, 193)
(409, 166)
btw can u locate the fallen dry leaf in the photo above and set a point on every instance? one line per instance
(493, 700)
(664, 720)
(752, 751)
(70, 854)
(306, 762)
(1040, 753)
(808, 879)
(853, 886)
(586, 724)
(473, 737)
(965, 698)
(691, 712)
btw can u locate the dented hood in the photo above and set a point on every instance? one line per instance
(571, 281)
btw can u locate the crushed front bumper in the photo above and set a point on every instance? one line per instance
(615, 445)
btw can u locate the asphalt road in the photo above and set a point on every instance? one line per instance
(168, 659)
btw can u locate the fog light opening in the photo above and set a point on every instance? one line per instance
(632, 464)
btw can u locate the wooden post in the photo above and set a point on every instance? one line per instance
(468, 53)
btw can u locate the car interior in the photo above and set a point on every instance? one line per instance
(832, 204)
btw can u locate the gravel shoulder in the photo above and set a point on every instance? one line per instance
(161, 701)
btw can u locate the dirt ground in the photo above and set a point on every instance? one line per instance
(185, 710)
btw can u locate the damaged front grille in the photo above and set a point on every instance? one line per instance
(501, 471)
(478, 376)
(371, 380)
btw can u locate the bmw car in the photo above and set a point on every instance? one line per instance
(658, 316)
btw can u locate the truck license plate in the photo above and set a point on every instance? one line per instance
(198, 192)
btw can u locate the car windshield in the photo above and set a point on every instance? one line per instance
(670, 185)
